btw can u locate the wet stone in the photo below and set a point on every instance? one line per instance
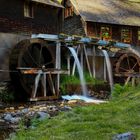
(21, 107)
(8, 117)
(42, 115)
(25, 110)
(2, 121)
(65, 108)
(1, 105)
(15, 120)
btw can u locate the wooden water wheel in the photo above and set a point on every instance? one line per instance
(28, 58)
(127, 67)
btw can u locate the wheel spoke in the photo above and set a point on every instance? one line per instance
(128, 62)
(25, 61)
(48, 63)
(123, 69)
(32, 58)
(134, 65)
(40, 54)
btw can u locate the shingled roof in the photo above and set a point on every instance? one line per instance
(124, 12)
(49, 2)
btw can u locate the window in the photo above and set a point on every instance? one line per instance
(28, 9)
(138, 35)
(126, 35)
(105, 33)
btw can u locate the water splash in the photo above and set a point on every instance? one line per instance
(109, 69)
(80, 71)
(83, 98)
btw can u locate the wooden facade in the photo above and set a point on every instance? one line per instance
(29, 17)
(83, 21)
(116, 32)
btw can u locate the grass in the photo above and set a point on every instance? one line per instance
(92, 122)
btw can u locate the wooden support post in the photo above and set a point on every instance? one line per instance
(68, 64)
(43, 80)
(93, 62)
(127, 80)
(105, 72)
(51, 84)
(133, 81)
(58, 64)
(87, 60)
(37, 79)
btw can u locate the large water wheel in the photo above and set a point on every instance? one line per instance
(28, 58)
(127, 67)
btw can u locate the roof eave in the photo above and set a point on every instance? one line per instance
(51, 3)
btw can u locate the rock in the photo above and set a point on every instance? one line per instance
(15, 120)
(18, 113)
(42, 115)
(11, 108)
(72, 101)
(8, 117)
(1, 105)
(43, 108)
(2, 121)
(21, 107)
(25, 110)
(52, 108)
(65, 108)
(125, 136)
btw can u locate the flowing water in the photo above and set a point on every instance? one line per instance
(80, 71)
(109, 69)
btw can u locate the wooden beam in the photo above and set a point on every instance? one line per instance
(88, 65)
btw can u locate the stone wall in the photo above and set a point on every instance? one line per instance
(7, 42)
(73, 26)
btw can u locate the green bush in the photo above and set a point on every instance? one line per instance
(119, 90)
(69, 79)
(6, 96)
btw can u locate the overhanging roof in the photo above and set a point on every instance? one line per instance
(49, 2)
(123, 12)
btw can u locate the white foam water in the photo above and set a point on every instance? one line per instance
(109, 69)
(80, 71)
(83, 98)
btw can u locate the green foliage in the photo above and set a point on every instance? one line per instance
(6, 96)
(75, 80)
(65, 80)
(119, 90)
(91, 80)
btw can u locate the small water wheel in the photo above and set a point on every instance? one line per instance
(28, 58)
(127, 67)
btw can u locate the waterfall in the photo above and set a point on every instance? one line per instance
(109, 69)
(80, 71)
